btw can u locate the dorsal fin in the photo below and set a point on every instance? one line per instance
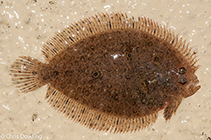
(80, 30)
(104, 22)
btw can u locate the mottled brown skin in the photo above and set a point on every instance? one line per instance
(112, 73)
(126, 73)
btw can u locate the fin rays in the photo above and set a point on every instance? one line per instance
(23, 73)
(96, 120)
(104, 22)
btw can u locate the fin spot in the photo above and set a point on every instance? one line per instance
(109, 23)
(33, 73)
(83, 111)
(172, 41)
(66, 101)
(155, 31)
(54, 50)
(90, 30)
(71, 39)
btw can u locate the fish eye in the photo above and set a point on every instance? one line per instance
(182, 70)
(182, 81)
(96, 74)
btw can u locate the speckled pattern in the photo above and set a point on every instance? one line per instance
(113, 68)
(24, 29)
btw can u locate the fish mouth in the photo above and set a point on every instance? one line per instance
(193, 87)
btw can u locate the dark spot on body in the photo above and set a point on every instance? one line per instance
(105, 55)
(92, 47)
(129, 55)
(96, 74)
(116, 97)
(156, 58)
(82, 58)
(150, 43)
(66, 72)
(55, 72)
(145, 36)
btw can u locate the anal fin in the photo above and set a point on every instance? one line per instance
(94, 119)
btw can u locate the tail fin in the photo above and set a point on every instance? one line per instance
(24, 73)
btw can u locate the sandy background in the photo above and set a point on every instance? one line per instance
(26, 24)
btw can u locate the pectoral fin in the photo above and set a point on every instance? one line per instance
(171, 108)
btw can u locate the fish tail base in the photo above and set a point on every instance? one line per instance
(24, 73)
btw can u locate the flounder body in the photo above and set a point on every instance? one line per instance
(112, 73)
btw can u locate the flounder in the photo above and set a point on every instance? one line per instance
(112, 73)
